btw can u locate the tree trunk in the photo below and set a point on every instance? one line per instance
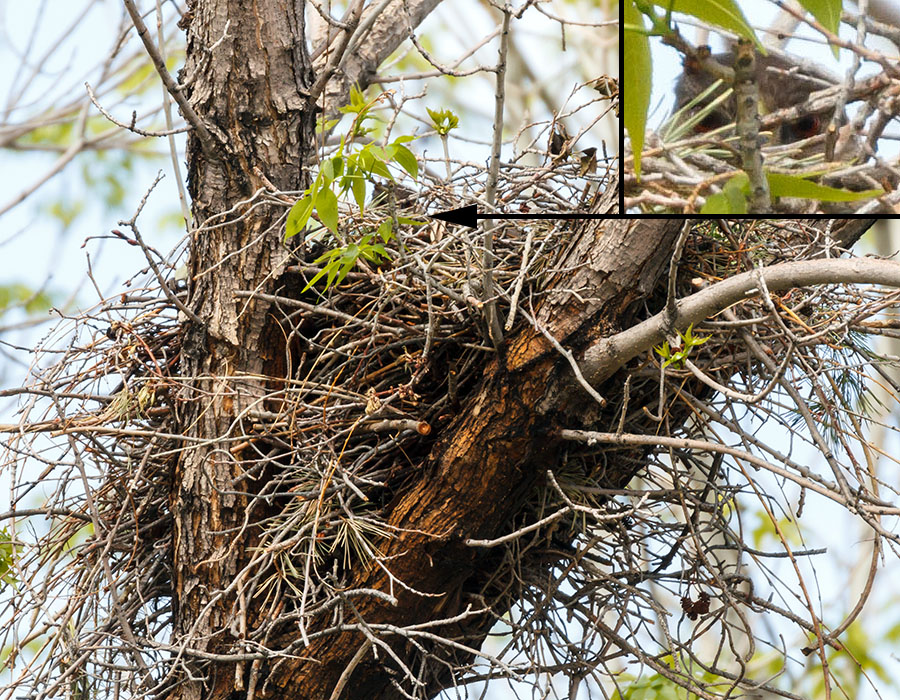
(250, 91)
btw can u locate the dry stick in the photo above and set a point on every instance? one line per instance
(604, 357)
(127, 632)
(520, 280)
(590, 437)
(570, 358)
(876, 542)
(132, 126)
(334, 62)
(170, 295)
(737, 395)
(348, 670)
(206, 138)
(495, 331)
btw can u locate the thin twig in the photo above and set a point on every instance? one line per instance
(209, 144)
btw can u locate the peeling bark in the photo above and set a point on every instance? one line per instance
(250, 90)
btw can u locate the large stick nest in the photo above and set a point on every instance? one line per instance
(381, 364)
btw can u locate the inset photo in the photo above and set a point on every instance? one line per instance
(741, 107)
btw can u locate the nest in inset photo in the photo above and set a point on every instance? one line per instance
(817, 140)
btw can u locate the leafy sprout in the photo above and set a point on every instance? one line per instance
(677, 356)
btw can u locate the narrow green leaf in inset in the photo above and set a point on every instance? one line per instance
(781, 185)
(721, 13)
(637, 83)
(828, 13)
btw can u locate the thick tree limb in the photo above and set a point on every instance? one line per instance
(605, 357)
(381, 29)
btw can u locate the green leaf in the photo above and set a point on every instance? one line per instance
(828, 13)
(8, 552)
(378, 152)
(357, 104)
(323, 125)
(298, 216)
(347, 261)
(637, 81)
(732, 199)
(327, 208)
(410, 222)
(720, 13)
(371, 165)
(332, 168)
(384, 230)
(317, 277)
(443, 121)
(373, 252)
(781, 185)
(406, 160)
(358, 185)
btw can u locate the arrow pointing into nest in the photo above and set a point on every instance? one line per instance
(468, 216)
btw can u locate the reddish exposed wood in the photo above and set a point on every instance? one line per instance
(479, 475)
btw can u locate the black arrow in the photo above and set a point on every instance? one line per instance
(468, 216)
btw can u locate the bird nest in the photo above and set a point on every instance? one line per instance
(837, 171)
(382, 363)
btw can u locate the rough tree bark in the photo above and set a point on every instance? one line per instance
(250, 91)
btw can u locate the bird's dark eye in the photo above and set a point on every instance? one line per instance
(801, 129)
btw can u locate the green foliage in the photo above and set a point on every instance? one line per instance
(658, 687)
(105, 175)
(339, 261)
(678, 356)
(143, 75)
(852, 665)
(655, 687)
(637, 74)
(349, 170)
(347, 174)
(21, 295)
(733, 197)
(443, 121)
(64, 211)
(766, 531)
